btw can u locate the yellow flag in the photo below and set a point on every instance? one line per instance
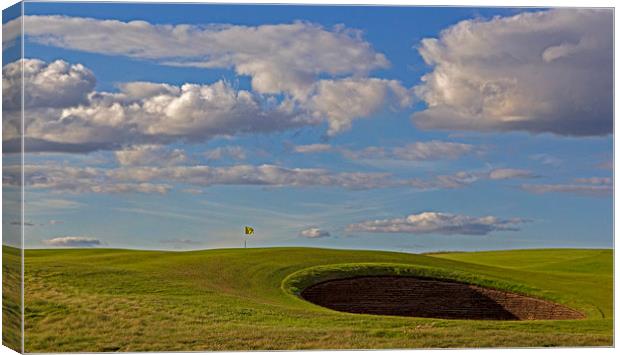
(249, 230)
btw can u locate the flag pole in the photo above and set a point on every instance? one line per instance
(247, 231)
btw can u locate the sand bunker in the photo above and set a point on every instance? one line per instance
(418, 297)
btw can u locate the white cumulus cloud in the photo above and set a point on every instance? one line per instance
(152, 113)
(342, 101)
(66, 114)
(48, 87)
(55, 84)
(545, 71)
(323, 70)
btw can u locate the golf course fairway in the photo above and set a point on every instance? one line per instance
(241, 299)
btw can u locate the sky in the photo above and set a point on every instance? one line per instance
(415, 129)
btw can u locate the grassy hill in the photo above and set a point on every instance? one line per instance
(235, 299)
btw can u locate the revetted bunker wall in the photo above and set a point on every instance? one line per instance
(419, 297)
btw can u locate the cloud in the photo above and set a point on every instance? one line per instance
(116, 188)
(594, 180)
(47, 88)
(433, 150)
(12, 144)
(587, 190)
(76, 118)
(312, 148)
(232, 152)
(162, 179)
(545, 71)
(594, 186)
(11, 33)
(55, 84)
(267, 175)
(314, 233)
(150, 155)
(145, 179)
(81, 242)
(345, 100)
(322, 73)
(464, 178)
(504, 174)
(419, 151)
(266, 53)
(149, 113)
(75, 180)
(438, 223)
(454, 181)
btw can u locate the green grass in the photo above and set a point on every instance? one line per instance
(238, 299)
(11, 298)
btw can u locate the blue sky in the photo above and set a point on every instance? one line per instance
(398, 128)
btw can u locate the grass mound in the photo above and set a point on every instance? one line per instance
(298, 281)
